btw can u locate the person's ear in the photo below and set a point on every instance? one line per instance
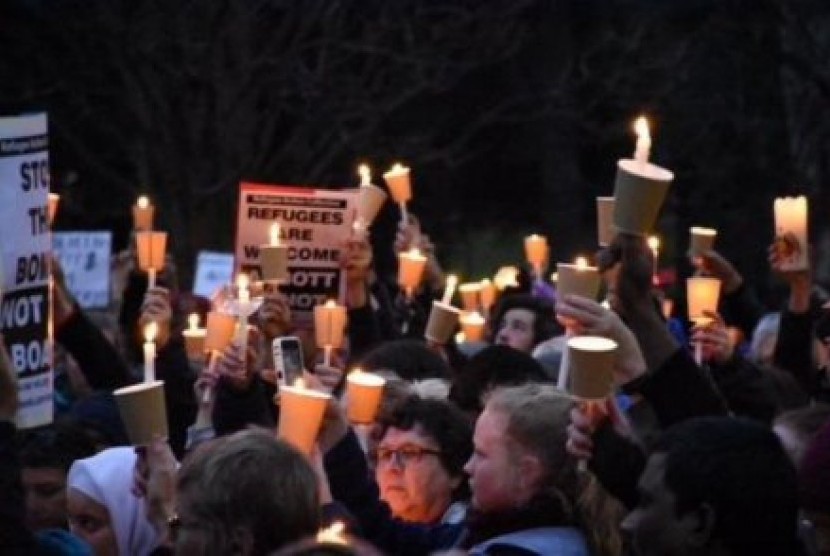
(530, 471)
(700, 525)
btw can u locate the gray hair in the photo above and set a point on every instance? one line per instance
(249, 480)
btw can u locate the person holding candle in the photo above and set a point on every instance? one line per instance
(524, 488)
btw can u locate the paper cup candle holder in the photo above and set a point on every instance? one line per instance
(536, 253)
(791, 232)
(640, 187)
(400, 187)
(301, 414)
(143, 213)
(329, 327)
(363, 393)
(151, 248)
(701, 240)
(443, 318)
(273, 257)
(143, 411)
(411, 265)
(370, 199)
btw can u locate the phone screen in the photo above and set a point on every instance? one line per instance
(288, 359)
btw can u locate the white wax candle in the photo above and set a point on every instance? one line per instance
(643, 148)
(449, 289)
(150, 332)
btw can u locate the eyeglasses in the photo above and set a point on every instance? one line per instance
(404, 455)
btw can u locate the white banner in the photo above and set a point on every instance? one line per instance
(213, 270)
(85, 260)
(314, 225)
(24, 238)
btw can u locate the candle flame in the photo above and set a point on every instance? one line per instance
(554, 277)
(151, 330)
(193, 321)
(414, 253)
(654, 243)
(143, 202)
(397, 168)
(299, 383)
(460, 338)
(275, 234)
(330, 304)
(581, 263)
(641, 128)
(365, 174)
(333, 534)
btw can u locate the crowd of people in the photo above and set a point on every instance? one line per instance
(475, 450)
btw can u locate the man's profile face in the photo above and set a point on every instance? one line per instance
(653, 526)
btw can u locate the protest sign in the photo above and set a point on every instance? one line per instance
(25, 243)
(314, 223)
(85, 260)
(213, 270)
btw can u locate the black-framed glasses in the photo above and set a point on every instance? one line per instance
(404, 455)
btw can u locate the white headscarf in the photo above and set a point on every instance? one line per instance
(107, 478)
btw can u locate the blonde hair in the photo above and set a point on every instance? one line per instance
(538, 416)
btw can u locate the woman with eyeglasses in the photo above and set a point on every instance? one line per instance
(420, 460)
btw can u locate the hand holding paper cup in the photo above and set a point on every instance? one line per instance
(143, 411)
(363, 392)
(301, 414)
(791, 233)
(591, 366)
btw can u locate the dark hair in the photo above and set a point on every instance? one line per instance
(491, 367)
(444, 423)
(56, 446)
(740, 469)
(410, 359)
(250, 480)
(544, 322)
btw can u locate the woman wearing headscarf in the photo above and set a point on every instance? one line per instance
(102, 507)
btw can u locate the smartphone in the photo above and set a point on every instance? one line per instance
(288, 359)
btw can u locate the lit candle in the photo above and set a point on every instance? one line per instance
(365, 174)
(536, 252)
(218, 335)
(363, 392)
(791, 232)
(472, 326)
(243, 293)
(194, 337)
(52, 210)
(654, 245)
(470, 293)
(151, 249)
(702, 294)
(329, 327)
(411, 266)
(591, 367)
(400, 186)
(643, 148)
(701, 240)
(143, 212)
(449, 289)
(333, 534)
(506, 277)
(640, 187)
(301, 414)
(150, 332)
(578, 279)
(273, 257)
(370, 199)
